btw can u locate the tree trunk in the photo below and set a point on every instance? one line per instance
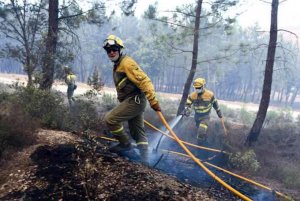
(192, 72)
(293, 98)
(265, 98)
(51, 43)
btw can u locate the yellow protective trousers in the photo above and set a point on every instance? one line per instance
(202, 122)
(130, 110)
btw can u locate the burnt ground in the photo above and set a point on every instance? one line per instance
(63, 166)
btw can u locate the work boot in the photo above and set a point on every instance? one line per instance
(144, 153)
(124, 144)
(120, 148)
(202, 137)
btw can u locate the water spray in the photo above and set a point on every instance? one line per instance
(172, 125)
(199, 162)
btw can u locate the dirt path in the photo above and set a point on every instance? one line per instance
(83, 88)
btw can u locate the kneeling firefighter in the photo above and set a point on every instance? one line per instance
(202, 100)
(133, 88)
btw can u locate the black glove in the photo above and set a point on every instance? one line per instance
(219, 113)
(156, 107)
(187, 112)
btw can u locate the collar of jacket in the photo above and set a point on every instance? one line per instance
(117, 63)
(200, 94)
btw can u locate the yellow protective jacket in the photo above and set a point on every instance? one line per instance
(131, 80)
(202, 103)
(70, 79)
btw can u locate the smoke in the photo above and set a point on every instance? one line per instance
(265, 196)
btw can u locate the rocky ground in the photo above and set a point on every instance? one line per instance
(64, 166)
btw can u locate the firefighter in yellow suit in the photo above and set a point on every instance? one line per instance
(70, 80)
(202, 101)
(133, 88)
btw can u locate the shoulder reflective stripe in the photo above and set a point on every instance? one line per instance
(188, 101)
(203, 126)
(123, 80)
(117, 131)
(146, 143)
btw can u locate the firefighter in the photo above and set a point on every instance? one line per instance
(133, 88)
(70, 80)
(202, 100)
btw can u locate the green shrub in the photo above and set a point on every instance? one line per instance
(44, 105)
(109, 101)
(90, 94)
(17, 129)
(245, 161)
(169, 107)
(275, 118)
(286, 115)
(228, 112)
(83, 116)
(287, 173)
(246, 117)
(271, 118)
(95, 81)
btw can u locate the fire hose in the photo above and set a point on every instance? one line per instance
(181, 143)
(218, 168)
(235, 175)
(199, 162)
(214, 166)
(187, 143)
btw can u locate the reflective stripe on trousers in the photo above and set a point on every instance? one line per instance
(130, 110)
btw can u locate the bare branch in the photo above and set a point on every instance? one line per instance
(78, 14)
(159, 20)
(282, 1)
(176, 48)
(266, 2)
(284, 30)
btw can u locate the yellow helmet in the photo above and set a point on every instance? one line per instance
(113, 40)
(67, 69)
(199, 82)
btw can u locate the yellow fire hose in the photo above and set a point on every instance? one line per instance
(187, 143)
(200, 163)
(233, 174)
(219, 168)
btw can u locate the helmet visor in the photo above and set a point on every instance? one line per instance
(109, 42)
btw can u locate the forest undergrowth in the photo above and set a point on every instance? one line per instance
(273, 160)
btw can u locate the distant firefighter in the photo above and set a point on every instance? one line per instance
(202, 101)
(70, 80)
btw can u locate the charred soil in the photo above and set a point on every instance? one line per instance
(65, 166)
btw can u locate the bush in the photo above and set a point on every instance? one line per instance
(169, 107)
(83, 116)
(227, 112)
(46, 106)
(109, 101)
(245, 161)
(287, 173)
(246, 117)
(271, 118)
(17, 129)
